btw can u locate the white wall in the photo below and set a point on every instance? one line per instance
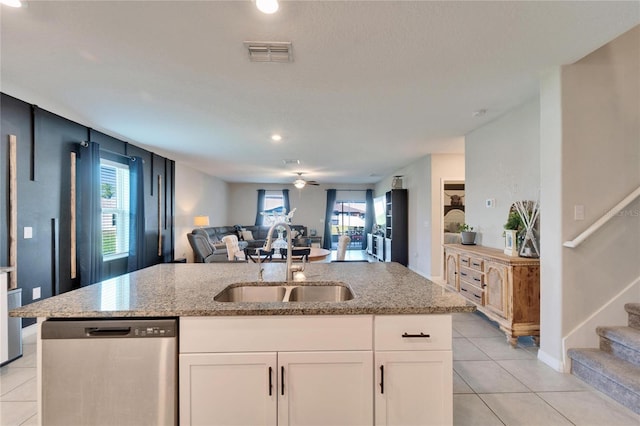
(502, 163)
(600, 106)
(416, 180)
(422, 179)
(309, 202)
(443, 167)
(197, 194)
(551, 223)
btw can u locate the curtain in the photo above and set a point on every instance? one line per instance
(368, 217)
(136, 215)
(285, 200)
(331, 201)
(259, 217)
(89, 214)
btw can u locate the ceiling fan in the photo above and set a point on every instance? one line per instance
(301, 183)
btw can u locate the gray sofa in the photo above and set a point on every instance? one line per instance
(217, 252)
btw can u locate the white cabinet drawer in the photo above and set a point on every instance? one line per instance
(412, 332)
(276, 333)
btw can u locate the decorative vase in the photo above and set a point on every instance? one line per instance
(280, 242)
(468, 238)
(530, 245)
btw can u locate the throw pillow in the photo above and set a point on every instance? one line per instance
(247, 236)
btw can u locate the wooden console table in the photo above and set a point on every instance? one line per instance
(504, 288)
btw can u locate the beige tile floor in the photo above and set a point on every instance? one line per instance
(493, 384)
(18, 392)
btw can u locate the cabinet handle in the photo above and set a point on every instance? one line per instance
(421, 335)
(463, 289)
(484, 285)
(282, 380)
(270, 380)
(463, 274)
(476, 264)
(476, 279)
(475, 295)
(382, 379)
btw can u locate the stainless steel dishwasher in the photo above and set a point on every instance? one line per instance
(109, 372)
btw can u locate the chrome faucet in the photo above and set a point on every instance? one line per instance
(291, 269)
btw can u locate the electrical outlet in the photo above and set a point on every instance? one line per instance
(36, 294)
(28, 232)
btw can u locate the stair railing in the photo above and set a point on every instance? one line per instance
(603, 220)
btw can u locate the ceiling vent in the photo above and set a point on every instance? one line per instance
(269, 51)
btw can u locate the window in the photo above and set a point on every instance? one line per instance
(348, 219)
(273, 202)
(273, 207)
(114, 188)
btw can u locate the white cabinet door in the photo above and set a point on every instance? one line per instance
(228, 389)
(413, 388)
(370, 244)
(387, 249)
(325, 388)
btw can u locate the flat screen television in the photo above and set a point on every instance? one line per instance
(379, 207)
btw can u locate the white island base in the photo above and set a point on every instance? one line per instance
(325, 370)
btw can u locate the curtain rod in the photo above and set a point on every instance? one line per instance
(85, 144)
(351, 190)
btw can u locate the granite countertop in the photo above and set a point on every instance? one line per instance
(179, 290)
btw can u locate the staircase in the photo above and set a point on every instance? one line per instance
(614, 369)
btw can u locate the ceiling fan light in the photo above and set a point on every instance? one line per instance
(299, 183)
(267, 6)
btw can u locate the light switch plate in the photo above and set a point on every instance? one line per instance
(578, 212)
(28, 232)
(490, 203)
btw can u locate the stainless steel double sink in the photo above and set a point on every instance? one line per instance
(320, 291)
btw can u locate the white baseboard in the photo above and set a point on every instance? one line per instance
(611, 313)
(552, 362)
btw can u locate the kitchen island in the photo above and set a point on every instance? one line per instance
(383, 357)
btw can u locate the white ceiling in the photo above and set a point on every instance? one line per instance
(374, 85)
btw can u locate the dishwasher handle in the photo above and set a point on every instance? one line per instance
(107, 331)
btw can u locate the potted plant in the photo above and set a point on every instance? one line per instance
(467, 234)
(512, 229)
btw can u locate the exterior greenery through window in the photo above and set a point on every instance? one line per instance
(114, 184)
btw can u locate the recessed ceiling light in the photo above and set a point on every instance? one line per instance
(267, 6)
(276, 137)
(12, 3)
(479, 113)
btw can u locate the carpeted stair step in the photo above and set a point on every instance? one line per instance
(633, 309)
(622, 342)
(613, 376)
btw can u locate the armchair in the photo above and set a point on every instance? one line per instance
(202, 250)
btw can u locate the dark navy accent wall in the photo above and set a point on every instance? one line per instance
(44, 195)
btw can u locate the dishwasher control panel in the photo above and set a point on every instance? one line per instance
(96, 329)
(154, 331)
